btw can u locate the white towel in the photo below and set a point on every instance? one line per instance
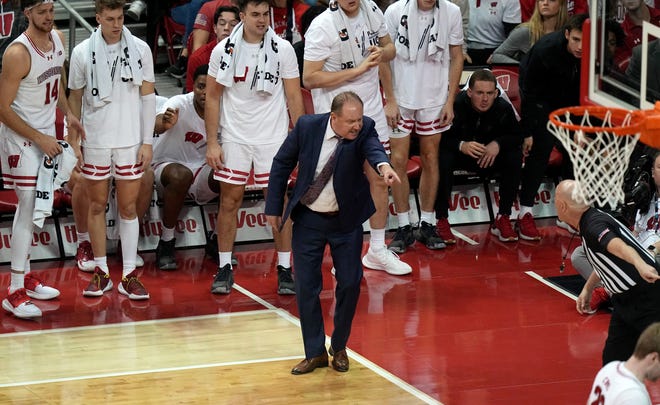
(438, 40)
(101, 74)
(52, 174)
(268, 63)
(374, 20)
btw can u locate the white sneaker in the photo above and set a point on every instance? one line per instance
(564, 225)
(37, 290)
(139, 261)
(20, 305)
(136, 9)
(387, 261)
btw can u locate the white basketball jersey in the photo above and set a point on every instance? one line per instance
(37, 95)
(185, 142)
(616, 385)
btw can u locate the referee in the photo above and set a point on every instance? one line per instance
(627, 270)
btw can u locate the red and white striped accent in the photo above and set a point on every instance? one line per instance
(11, 181)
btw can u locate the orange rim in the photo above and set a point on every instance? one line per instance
(618, 115)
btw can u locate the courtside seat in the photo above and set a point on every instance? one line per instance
(8, 202)
(307, 101)
(507, 77)
(172, 33)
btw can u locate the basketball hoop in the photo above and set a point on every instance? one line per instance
(599, 141)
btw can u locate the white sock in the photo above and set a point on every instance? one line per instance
(129, 233)
(524, 210)
(377, 241)
(17, 280)
(167, 234)
(284, 259)
(428, 217)
(83, 237)
(224, 258)
(403, 218)
(102, 263)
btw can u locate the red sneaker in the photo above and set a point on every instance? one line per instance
(444, 231)
(527, 228)
(99, 284)
(19, 304)
(37, 290)
(133, 288)
(599, 299)
(85, 257)
(503, 230)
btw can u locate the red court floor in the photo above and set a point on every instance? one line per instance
(469, 326)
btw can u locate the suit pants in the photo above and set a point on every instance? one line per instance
(311, 233)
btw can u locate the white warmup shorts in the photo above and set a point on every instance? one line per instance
(240, 159)
(20, 163)
(120, 163)
(425, 121)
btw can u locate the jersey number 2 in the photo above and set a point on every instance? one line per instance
(51, 93)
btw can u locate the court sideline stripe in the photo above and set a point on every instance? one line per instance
(401, 384)
(549, 284)
(147, 371)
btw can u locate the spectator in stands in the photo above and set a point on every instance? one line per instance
(490, 24)
(156, 10)
(464, 6)
(485, 137)
(184, 14)
(652, 69)
(342, 56)
(421, 106)
(614, 43)
(285, 18)
(636, 13)
(626, 268)
(13, 21)
(573, 7)
(179, 163)
(305, 21)
(251, 107)
(224, 20)
(549, 79)
(32, 68)
(549, 16)
(622, 382)
(104, 96)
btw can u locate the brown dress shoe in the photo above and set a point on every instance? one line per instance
(339, 360)
(309, 365)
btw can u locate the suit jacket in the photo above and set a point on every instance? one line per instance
(303, 146)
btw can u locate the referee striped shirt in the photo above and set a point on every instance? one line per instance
(598, 229)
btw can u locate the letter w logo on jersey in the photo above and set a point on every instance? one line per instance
(193, 137)
(13, 161)
(7, 23)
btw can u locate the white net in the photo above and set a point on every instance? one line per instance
(600, 157)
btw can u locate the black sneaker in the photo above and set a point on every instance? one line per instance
(403, 237)
(285, 283)
(165, 255)
(223, 280)
(212, 249)
(178, 70)
(427, 234)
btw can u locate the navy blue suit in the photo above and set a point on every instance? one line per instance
(313, 231)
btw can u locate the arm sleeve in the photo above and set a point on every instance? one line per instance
(148, 118)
